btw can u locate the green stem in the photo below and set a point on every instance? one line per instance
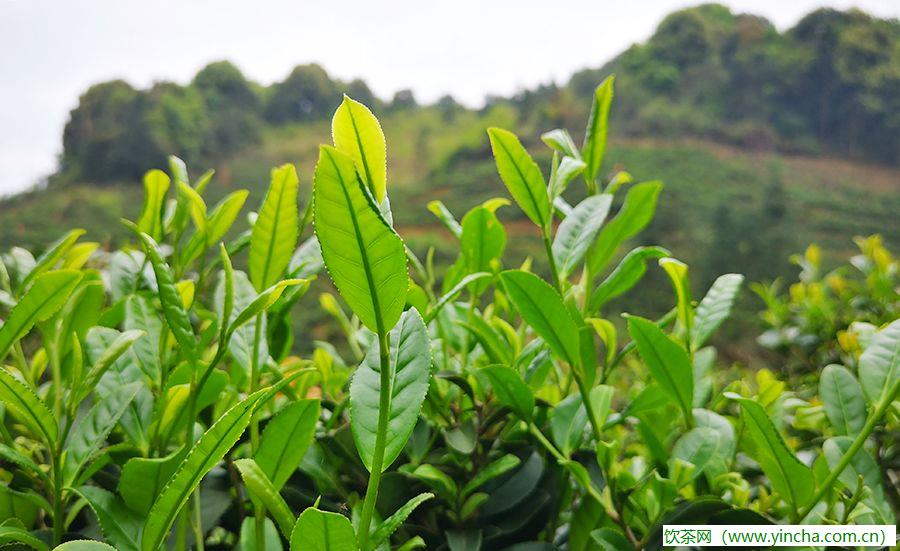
(259, 511)
(589, 407)
(880, 409)
(554, 272)
(384, 406)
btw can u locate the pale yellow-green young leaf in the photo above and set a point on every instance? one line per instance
(357, 133)
(156, 185)
(275, 232)
(678, 273)
(521, 175)
(595, 136)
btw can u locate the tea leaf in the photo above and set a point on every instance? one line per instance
(560, 140)
(410, 374)
(89, 435)
(118, 524)
(521, 175)
(635, 214)
(322, 531)
(667, 361)
(594, 147)
(156, 185)
(276, 229)
(52, 255)
(844, 402)
(260, 487)
(365, 258)
(625, 276)
(543, 309)
(789, 476)
(577, 232)
(879, 364)
(703, 447)
(143, 478)
(84, 545)
(286, 439)
(390, 525)
(490, 472)
(48, 294)
(715, 307)
(511, 390)
(357, 133)
(25, 405)
(483, 239)
(443, 214)
(173, 307)
(862, 465)
(678, 275)
(207, 451)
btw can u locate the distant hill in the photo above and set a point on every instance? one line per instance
(826, 86)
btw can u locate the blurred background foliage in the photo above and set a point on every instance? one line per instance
(766, 141)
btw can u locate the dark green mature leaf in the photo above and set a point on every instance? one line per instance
(410, 374)
(173, 307)
(286, 439)
(861, 465)
(715, 307)
(789, 476)
(635, 214)
(567, 423)
(541, 306)
(488, 337)
(625, 276)
(595, 136)
(667, 361)
(364, 256)
(119, 524)
(89, 435)
(275, 231)
(511, 390)
(578, 231)
(260, 487)
(48, 294)
(208, 451)
(483, 239)
(844, 402)
(357, 133)
(879, 364)
(25, 405)
(521, 175)
(322, 531)
(389, 526)
(156, 185)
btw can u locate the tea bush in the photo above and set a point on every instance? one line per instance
(151, 397)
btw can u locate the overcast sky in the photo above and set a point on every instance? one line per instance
(51, 51)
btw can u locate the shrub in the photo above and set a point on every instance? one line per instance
(152, 390)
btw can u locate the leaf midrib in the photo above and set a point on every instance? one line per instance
(370, 280)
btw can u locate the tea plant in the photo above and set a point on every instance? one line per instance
(151, 398)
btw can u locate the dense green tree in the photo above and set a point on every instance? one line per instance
(107, 134)
(308, 93)
(232, 106)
